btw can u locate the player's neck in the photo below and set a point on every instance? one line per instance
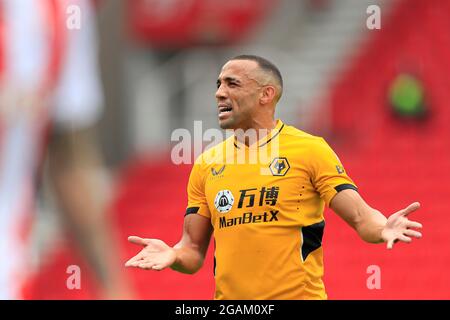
(257, 130)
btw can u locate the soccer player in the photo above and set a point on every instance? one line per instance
(267, 215)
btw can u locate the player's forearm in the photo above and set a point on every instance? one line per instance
(189, 260)
(368, 222)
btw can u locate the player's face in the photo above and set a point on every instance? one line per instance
(237, 94)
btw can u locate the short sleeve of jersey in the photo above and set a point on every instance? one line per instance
(196, 192)
(328, 174)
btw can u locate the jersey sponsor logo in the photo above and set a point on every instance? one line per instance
(224, 201)
(340, 169)
(217, 172)
(248, 218)
(266, 195)
(279, 166)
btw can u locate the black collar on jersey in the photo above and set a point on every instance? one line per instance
(265, 142)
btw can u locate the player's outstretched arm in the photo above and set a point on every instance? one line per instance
(186, 256)
(371, 225)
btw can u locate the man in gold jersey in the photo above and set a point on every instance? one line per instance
(262, 193)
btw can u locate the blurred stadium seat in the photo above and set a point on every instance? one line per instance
(392, 161)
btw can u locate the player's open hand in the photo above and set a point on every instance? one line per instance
(398, 227)
(156, 255)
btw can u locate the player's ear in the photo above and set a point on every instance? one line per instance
(268, 94)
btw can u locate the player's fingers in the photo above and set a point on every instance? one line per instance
(137, 240)
(132, 262)
(390, 244)
(154, 262)
(413, 233)
(158, 267)
(404, 238)
(411, 208)
(414, 224)
(147, 265)
(129, 263)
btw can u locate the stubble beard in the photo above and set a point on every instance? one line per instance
(228, 124)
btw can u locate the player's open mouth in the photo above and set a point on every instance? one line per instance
(224, 110)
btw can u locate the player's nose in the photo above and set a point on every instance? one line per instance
(221, 93)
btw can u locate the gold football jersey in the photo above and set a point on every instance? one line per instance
(266, 204)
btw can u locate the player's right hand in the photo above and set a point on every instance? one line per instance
(156, 255)
(400, 228)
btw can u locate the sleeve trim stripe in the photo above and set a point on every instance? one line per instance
(192, 210)
(345, 186)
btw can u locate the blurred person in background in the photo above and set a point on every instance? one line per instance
(50, 101)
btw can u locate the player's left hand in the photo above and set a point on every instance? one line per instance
(156, 255)
(398, 227)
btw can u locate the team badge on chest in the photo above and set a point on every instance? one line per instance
(224, 201)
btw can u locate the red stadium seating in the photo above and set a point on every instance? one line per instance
(181, 23)
(394, 162)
